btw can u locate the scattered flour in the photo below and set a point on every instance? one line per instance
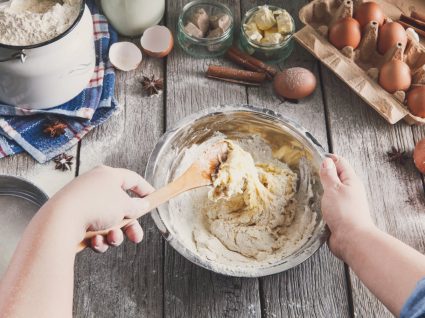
(29, 22)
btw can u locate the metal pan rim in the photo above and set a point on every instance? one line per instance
(30, 193)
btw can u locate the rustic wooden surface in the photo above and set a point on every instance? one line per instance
(151, 279)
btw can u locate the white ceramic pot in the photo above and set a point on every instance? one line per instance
(50, 73)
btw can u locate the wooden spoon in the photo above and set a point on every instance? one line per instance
(197, 175)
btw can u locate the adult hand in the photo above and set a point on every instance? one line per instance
(98, 200)
(344, 204)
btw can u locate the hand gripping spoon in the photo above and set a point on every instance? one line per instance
(197, 175)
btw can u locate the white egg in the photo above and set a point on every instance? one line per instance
(125, 56)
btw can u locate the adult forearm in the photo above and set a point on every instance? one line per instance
(387, 266)
(39, 281)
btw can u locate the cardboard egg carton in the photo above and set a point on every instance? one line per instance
(359, 68)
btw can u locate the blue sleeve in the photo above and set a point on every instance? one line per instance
(415, 304)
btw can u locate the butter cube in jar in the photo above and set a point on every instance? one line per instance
(266, 33)
(252, 32)
(284, 22)
(205, 29)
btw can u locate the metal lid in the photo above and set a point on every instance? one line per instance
(18, 187)
(19, 201)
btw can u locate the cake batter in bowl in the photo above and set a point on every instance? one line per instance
(274, 224)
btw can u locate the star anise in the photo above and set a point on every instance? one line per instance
(398, 156)
(151, 85)
(55, 128)
(63, 162)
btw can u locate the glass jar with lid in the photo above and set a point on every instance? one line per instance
(133, 17)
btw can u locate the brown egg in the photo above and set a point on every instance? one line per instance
(416, 101)
(369, 11)
(345, 32)
(419, 155)
(389, 35)
(294, 83)
(157, 41)
(395, 76)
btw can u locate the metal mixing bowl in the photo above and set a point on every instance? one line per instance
(286, 138)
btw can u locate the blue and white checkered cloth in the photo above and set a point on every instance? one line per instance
(22, 129)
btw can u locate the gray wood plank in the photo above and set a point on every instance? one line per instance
(191, 291)
(125, 281)
(316, 288)
(395, 192)
(418, 134)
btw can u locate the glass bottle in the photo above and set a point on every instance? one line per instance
(133, 17)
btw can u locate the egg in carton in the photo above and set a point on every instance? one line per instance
(365, 63)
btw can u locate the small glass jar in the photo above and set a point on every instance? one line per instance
(204, 47)
(266, 52)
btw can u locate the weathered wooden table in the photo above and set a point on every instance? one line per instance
(151, 279)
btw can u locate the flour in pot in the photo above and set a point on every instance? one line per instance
(29, 22)
(250, 216)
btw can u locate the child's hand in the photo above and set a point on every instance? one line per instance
(344, 203)
(98, 200)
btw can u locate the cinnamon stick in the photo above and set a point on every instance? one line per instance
(418, 15)
(418, 31)
(250, 62)
(413, 22)
(231, 55)
(235, 76)
(234, 81)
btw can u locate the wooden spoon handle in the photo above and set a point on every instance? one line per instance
(90, 234)
(154, 200)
